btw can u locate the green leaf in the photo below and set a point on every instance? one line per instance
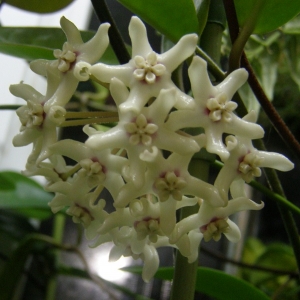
(273, 14)
(5, 183)
(27, 194)
(13, 228)
(47, 6)
(278, 256)
(252, 250)
(171, 18)
(14, 224)
(213, 283)
(13, 268)
(32, 43)
(35, 213)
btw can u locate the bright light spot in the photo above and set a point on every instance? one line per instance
(110, 270)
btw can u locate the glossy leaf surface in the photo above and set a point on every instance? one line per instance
(33, 43)
(181, 16)
(27, 193)
(214, 283)
(46, 6)
(273, 14)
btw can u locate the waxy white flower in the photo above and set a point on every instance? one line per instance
(211, 221)
(180, 184)
(52, 170)
(82, 204)
(214, 109)
(149, 182)
(143, 215)
(125, 241)
(147, 73)
(137, 132)
(148, 69)
(97, 167)
(38, 127)
(74, 51)
(140, 130)
(245, 162)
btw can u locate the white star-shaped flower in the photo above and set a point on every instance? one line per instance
(214, 109)
(97, 167)
(74, 51)
(143, 215)
(82, 204)
(147, 73)
(211, 222)
(126, 243)
(37, 126)
(245, 162)
(136, 132)
(177, 182)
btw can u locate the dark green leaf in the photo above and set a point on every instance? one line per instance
(13, 268)
(5, 183)
(35, 213)
(171, 18)
(33, 43)
(272, 15)
(27, 194)
(214, 283)
(13, 228)
(15, 224)
(47, 6)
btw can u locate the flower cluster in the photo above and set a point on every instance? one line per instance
(143, 161)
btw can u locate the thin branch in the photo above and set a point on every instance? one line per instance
(265, 103)
(278, 124)
(89, 121)
(115, 37)
(90, 114)
(243, 36)
(9, 107)
(270, 110)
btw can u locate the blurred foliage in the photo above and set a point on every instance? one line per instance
(275, 256)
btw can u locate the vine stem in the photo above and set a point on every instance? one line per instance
(270, 110)
(265, 103)
(89, 121)
(115, 37)
(185, 274)
(9, 107)
(58, 231)
(243, 36)
(278, 123)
